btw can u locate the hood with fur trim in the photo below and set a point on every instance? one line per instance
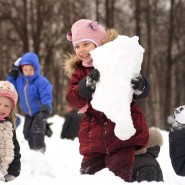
(155, 139)
(71, 60)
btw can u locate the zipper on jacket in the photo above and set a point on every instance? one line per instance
(26, 98)
(104, 138)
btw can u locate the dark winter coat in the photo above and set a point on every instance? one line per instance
(177, 151)
(35, 91)
(71, 125)
(15, 165)
(146, 167)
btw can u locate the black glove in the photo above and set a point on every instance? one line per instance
(141, 87)
(138, 84)
(41, 117)
(14, 71)
(87, 85)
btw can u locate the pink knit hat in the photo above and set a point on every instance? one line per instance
(86, 30)
(7, 89)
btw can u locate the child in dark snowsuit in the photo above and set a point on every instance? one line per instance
(146, 166)
(35, 93)
(98, 144)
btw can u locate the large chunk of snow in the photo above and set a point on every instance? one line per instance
(118, 62)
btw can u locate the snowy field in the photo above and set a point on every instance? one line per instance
(61, 162)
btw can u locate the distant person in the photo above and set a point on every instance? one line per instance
(35, 93)
(146, 166)
(177, 141)
(9, 147)
(98, 143)
(71, 124)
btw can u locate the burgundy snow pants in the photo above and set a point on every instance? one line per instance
(94, 162)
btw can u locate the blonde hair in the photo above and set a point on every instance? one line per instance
(12, 118)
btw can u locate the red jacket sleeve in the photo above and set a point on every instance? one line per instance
(73, 96)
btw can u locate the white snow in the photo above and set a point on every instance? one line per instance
(118, 62)
(61, 162)
(179, 114)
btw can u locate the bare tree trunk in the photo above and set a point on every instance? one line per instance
(168, 78)
(25, 37)
(97, 11)
(138, 18)
(109, 8)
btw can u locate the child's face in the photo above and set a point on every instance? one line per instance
(5, 107)
(28, 70)
(82, 50)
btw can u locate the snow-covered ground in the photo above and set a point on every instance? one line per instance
(61, 163)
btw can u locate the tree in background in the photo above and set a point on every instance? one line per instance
(41, 26)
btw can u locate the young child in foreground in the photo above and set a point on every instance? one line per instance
(98, 144)
(9, 146)
(35, 93)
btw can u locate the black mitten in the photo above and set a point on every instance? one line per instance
(14, 71)
(87, 85)
(138, 84)
(41, 117)
(141, 87)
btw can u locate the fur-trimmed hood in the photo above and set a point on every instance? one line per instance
(155, 139)
(71, 60)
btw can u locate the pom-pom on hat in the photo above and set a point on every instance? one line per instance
(86, 30)
(7, 89)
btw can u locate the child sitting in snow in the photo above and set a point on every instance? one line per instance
(35, 93)
(146, 166)
(98, 144)
(9, 146)
(177, 141)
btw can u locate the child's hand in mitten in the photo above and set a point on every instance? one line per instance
(41, 117)
(138, 84)
(92, 78)
(14, 71)
(87, 85)
(141, 87)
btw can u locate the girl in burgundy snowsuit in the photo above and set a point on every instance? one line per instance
(98, 143)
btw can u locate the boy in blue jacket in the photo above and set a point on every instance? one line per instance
(35, 94)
